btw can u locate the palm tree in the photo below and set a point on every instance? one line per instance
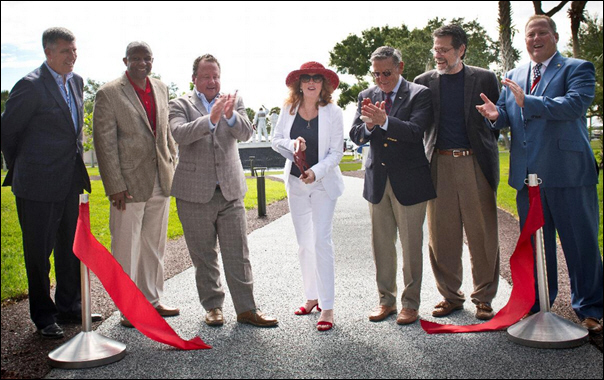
(576, 15)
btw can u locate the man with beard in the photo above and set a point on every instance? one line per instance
(465, 170)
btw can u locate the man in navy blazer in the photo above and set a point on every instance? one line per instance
(393, 116)
(545, 102)
(42, 145)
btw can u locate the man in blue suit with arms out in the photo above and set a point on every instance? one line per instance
(544, 102)
(42, 144)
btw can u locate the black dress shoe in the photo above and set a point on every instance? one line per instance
(72, 318)
(52, 331)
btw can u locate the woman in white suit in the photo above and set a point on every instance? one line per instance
(311, 123)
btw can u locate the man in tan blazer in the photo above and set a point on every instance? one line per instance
(209, 187)
(137, 154)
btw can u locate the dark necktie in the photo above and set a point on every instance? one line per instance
(388, 102)
(536, 76)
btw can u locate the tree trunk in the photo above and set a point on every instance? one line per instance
(505, 36)
(576, 15)
(507, 51)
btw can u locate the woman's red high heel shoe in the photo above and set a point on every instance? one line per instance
(324, 326)
(302, 310)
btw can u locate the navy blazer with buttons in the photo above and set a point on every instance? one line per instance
(398, 153)
(42, 147)
(549, 135)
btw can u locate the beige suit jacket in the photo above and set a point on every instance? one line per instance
(207, 158)
(129, 155)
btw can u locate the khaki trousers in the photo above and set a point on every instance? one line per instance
(202, 224)
(465, 200)
(386, 217)
(138, 241)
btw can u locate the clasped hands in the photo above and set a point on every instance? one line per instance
(373, 114)
(308, 176)
(489, 110)
(225, 104)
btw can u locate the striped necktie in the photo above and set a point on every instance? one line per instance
(536, 76)
(388, 102)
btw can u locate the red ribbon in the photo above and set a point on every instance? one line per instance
(523, 291)
(126, 295)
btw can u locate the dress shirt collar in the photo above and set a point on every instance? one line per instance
(141, 91)
(544, 63)
(396, 88)
(58, 77)
(205, 102)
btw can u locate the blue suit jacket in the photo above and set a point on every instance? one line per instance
(398, 154)
(549, 136)
(42, 147)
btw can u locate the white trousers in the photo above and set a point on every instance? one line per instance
(312, 214)
(138, 242)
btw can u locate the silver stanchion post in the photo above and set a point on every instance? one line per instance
(545, 329)
(88, 348)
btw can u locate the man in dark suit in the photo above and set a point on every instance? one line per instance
(393, 116)
(42, 144)
(465, 169)
(544, 102)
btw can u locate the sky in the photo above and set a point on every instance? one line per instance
(257, 43)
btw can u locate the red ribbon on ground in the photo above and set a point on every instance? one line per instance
(522, 265)
(126, 295)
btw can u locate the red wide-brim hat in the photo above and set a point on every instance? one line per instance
(313, 68)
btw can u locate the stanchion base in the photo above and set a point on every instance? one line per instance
(86, 350)
(547, 330)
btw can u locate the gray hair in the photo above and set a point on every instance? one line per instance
(137, 45)
(52, 35)
(385, 52)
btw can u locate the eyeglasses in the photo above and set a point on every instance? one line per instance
(441, 50)
(376, 74)
(317, 78)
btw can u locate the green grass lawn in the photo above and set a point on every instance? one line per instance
(14, 279)
(347, 164)
(506, 195)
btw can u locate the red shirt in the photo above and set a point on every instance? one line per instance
(147, 100)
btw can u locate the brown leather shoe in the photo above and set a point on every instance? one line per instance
(592, 325)
(407, 316)
(381, 312)
(214, 317)
(256, 318)
(167, 311)
(484, 311)
(445, 308)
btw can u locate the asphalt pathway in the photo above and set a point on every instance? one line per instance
(355, 348)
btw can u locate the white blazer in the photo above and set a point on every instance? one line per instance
(331, 145)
